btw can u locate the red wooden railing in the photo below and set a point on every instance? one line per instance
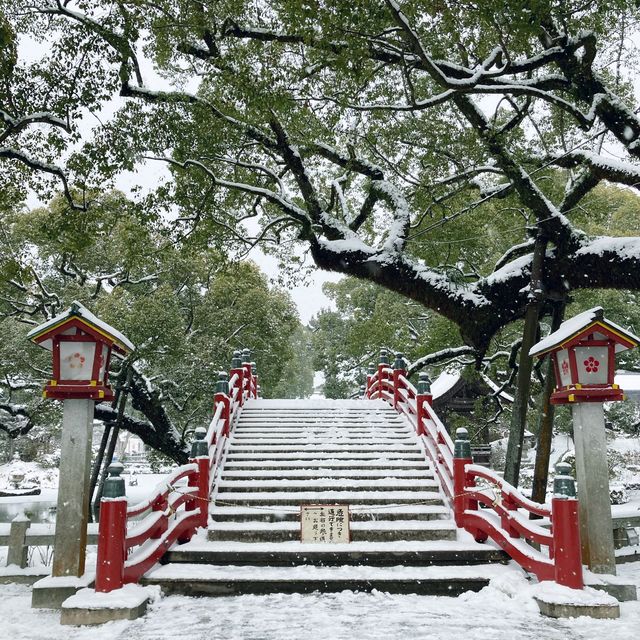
(483, 502)
(129, 547)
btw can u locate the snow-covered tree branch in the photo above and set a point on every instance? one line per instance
(389, 146)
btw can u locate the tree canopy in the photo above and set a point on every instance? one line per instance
(182, 303)
(363, 132)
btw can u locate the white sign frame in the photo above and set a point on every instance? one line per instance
(314, 516)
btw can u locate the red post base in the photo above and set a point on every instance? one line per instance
(112, 551)
(566, 542)
(459, 497)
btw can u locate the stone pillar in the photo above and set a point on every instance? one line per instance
(592, 473)
(17, 552)
(72, 512)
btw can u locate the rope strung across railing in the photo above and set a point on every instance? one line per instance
(500, 517)
(175, 511)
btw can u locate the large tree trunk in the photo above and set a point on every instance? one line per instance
(157, 431)
(545, 425)
(525, 365)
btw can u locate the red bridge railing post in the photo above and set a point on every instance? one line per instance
(248, 374)
(161, 503)
(462, 481)
(383, 365)
(254, 379)
(238, 369)
(222, 396)
(200, 456)
(371, 372)
(505, 521)
(423, 395)
(112, 532)
(399, 371)
(567, 553)
(461, 457)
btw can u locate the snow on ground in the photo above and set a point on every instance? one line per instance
(503, 610)
(33, 473)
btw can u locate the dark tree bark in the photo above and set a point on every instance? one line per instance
(545, 424)
(157, 431)
(525, 365)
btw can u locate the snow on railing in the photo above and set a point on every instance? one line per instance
(504, 513)
(179, 504)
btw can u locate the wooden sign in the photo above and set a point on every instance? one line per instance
(324, 523)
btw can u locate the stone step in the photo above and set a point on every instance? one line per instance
(324, 448)
(371, 531)
(315, 455)
(363, 410)
(215, 580)
(358, 416)
(320, 465)
(228, 498)
(276, 428)
(390, 554)
(248, 414)
(327, 484)
(308, 434)
(357, 513)
(332, 425)
(345, 473)
(328, 421)
(335, 442)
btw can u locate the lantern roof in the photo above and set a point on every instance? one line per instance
(79, 316)
(585, 323)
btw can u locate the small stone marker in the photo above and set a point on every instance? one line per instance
(324, 523)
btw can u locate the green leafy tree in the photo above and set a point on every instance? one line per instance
(297, 379)
(365, 135)
(329, 342)
(370, 134)
(181, 302)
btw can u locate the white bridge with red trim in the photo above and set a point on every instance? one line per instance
(423, 517)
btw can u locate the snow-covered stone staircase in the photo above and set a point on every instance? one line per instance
(358, 452)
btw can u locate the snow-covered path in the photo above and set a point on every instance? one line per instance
(502, 611)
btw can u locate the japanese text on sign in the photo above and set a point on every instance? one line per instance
(324, 523)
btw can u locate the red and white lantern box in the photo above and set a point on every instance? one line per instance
(81, 346)
(583, 350)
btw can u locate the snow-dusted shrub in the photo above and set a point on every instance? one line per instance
(618, 494)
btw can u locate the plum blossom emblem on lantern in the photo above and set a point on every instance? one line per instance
(565, 367)
(591, 364)
(76, 361)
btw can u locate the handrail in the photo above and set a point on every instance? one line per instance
(175, 510)
(508, 490)
(441, 434)
(162, 489)
(407, 385)
(526, 528)
(524, 554)
(214, 425)
(502, 517)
